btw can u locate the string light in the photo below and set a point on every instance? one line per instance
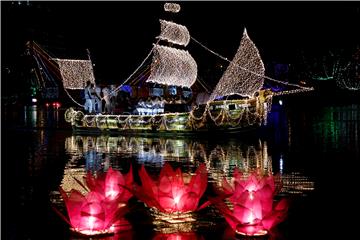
(235, 79)
(172, 7)
(174, 33)
(248, 113)
(75, 73)
(349, 76)
(171, 66)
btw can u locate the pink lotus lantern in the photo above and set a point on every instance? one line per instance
(254, 212)
(111, 185)
(102, 209)
(174, 194)
(92, 214)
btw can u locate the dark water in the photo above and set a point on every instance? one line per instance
(313, 146)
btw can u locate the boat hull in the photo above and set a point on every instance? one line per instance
(226, 116)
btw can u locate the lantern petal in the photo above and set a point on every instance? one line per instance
(94, 184)
(198, 182)
(73, 205)
(226, 187)
(146, 182)
(166, 185)
(228, 215)
(188, 202)
(167, 203)
(278, 215)
(129, 179)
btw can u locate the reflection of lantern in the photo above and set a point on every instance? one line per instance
(178, 236)
(174, 194)
(111, 185)
(91, 214)
(253, 211)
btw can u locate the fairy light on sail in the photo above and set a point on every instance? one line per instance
(245, 74)
(171, 66)
(174, 33)
(75, 73)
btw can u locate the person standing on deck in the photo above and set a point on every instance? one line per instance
(93, 96)
(98, 101)
(113, 97)
(106, 94)
(88, 106)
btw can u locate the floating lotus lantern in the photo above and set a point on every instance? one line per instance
(101, 210)
(91, 214)
(254, 212)
(111, 185)
(174, 194)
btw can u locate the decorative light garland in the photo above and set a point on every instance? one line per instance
(235, 79)
(171, 66)
(75, 73)
(172, 7)
(349, 76)
(247, 113)
(174, 33)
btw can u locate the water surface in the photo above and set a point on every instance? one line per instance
(314, 148)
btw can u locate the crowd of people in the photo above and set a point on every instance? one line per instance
(95, 96)
(108, 100)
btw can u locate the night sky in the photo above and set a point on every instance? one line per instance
(120, 34)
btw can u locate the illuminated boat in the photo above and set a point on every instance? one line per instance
(172, 66)
(238, 102)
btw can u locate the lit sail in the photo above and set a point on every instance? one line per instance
(174, 33)
(171, 66)
(75, 73)
(172, 7)
(244, 75)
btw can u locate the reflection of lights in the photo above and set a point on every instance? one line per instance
(34, 100)
(295, 183)
(220, 161)
(173, 223)
(178, 235)
(281, 167)
(280, 102)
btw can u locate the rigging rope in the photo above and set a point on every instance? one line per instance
(141, 64)
(245, 69)
(73, 98)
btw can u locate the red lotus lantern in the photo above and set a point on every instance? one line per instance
(92, 214)
(111, 185)
(254, 211)
(173, 192)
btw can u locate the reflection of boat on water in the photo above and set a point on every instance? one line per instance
(237, 103)
(220, 159)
